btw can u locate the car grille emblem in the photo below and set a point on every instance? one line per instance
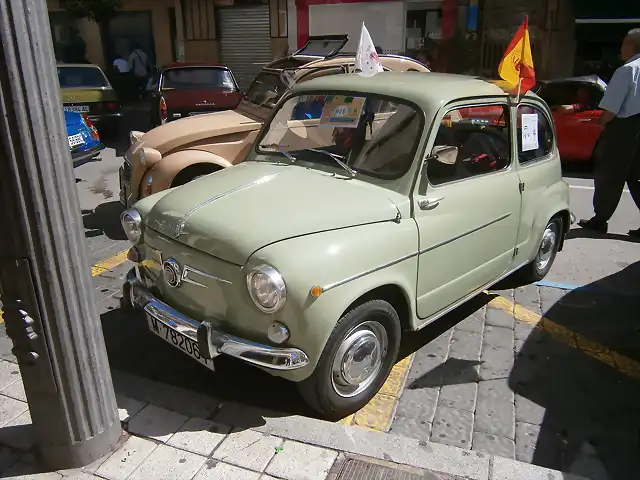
(172, 273)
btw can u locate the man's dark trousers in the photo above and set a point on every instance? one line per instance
(617, 162)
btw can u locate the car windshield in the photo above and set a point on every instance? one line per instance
(81, 77)
(197, 77)
(266, 89)
(359, 133)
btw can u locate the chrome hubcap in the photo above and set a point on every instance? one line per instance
(547, 246)
(359, 359)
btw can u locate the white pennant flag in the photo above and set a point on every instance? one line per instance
(367, 60)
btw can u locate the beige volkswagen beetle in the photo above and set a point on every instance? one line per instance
(407, 195)
(180, 151)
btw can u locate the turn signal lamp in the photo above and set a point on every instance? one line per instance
(316, 291)
(163, 111)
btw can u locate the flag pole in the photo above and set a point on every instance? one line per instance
(519, 85)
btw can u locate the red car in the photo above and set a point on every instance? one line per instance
(577, 132)
(183, 89)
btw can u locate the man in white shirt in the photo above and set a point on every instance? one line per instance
(140, 65)
(618, 158)
(121, 65)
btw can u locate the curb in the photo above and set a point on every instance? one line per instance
(357, 441)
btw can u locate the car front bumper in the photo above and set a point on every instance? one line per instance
(211, 342)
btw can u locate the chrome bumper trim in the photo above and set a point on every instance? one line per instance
(209, 340)
(573, 218)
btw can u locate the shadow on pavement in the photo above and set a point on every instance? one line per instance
(583, 233)
(104, 220)
(135, 117)
(590, 411)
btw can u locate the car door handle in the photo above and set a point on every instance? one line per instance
(585, 119)
(429, 203)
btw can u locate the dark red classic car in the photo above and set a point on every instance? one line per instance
(182, 89)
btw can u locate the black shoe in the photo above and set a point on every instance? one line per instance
(594, 225)
(635, 233)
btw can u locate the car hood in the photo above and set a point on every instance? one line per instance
(234, 212)
(187, 130)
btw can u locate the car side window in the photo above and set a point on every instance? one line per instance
(481, 135)
(535, 134)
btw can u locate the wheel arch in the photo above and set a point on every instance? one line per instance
(392, 293)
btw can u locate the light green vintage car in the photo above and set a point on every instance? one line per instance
(367, 207)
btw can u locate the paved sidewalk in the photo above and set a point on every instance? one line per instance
(187, 435)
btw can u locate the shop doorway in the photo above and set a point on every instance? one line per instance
(126, 31)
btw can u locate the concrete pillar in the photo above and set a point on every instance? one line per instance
(45, 283)
(179, 30)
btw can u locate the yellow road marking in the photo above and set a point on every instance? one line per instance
(617, 361)
(100, 267)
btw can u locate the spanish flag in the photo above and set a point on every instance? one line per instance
(517, 63)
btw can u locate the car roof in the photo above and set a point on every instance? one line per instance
(193, 64)
(81, 65)
(429, 90)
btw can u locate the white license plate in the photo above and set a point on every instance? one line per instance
(178, 340)
(77, 108)
(75, 140)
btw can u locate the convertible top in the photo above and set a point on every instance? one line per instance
(586, 79)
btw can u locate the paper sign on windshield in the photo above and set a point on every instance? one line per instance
(529, 131)
(341, 111)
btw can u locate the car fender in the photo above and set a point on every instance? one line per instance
(348, 263)
(163, 172)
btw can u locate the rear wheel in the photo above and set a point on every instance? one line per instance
(355, 362)
(546, 254)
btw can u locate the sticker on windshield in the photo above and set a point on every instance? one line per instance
(342, 111)
(529, 131)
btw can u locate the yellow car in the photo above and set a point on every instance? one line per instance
(86, 90)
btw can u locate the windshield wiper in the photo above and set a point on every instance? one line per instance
(280, 149)
(338, 158)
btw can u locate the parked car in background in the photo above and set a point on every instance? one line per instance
(578, 132)
(341, 231)
(84, 139)
(178, 152)
(85, 89)
(183, 89)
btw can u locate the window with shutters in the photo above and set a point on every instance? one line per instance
(278, 18)
(199, 19)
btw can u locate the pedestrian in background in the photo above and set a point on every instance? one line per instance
(122, 77)
(140, 66)
(618, 156)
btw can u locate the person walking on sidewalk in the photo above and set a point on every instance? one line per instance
(140, 65)
(618, 157)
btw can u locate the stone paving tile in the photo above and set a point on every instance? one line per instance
(528, 411)
(496, 363)
(248, 449)
(166, 463)
(465, 345)
(418, 403)
(500, 337)
(9, 374)
(496, 417)
(7, 458)
(523, 330)
(213, 470)
(126, 459)
(495, 390)
(474, 322)
(18, 433)
(15, 390)
(155, 422)
(128, 407)
(528, 297)
(10, 409)
(498, 318)
(199, 436)
(549, 297)
(452, 427)
(411, 427)
(462, 396)
(298, 461)
(494, 444)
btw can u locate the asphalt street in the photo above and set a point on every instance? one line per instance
(492, 376)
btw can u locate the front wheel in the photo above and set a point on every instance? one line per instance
(355, 362)
(546, 254)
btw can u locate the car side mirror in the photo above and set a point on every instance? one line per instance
(446, 154)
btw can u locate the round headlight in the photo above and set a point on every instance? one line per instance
(132, 225)
(266, 288)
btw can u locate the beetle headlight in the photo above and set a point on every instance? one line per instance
(266, 288)
(132, 225)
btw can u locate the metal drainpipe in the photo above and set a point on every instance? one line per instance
(45, 284)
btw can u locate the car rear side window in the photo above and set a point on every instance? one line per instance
(481, 135)
(535, 134)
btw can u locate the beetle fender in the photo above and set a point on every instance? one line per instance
(166, 169)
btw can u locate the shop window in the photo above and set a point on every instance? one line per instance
(278, 18)
(199, 19)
